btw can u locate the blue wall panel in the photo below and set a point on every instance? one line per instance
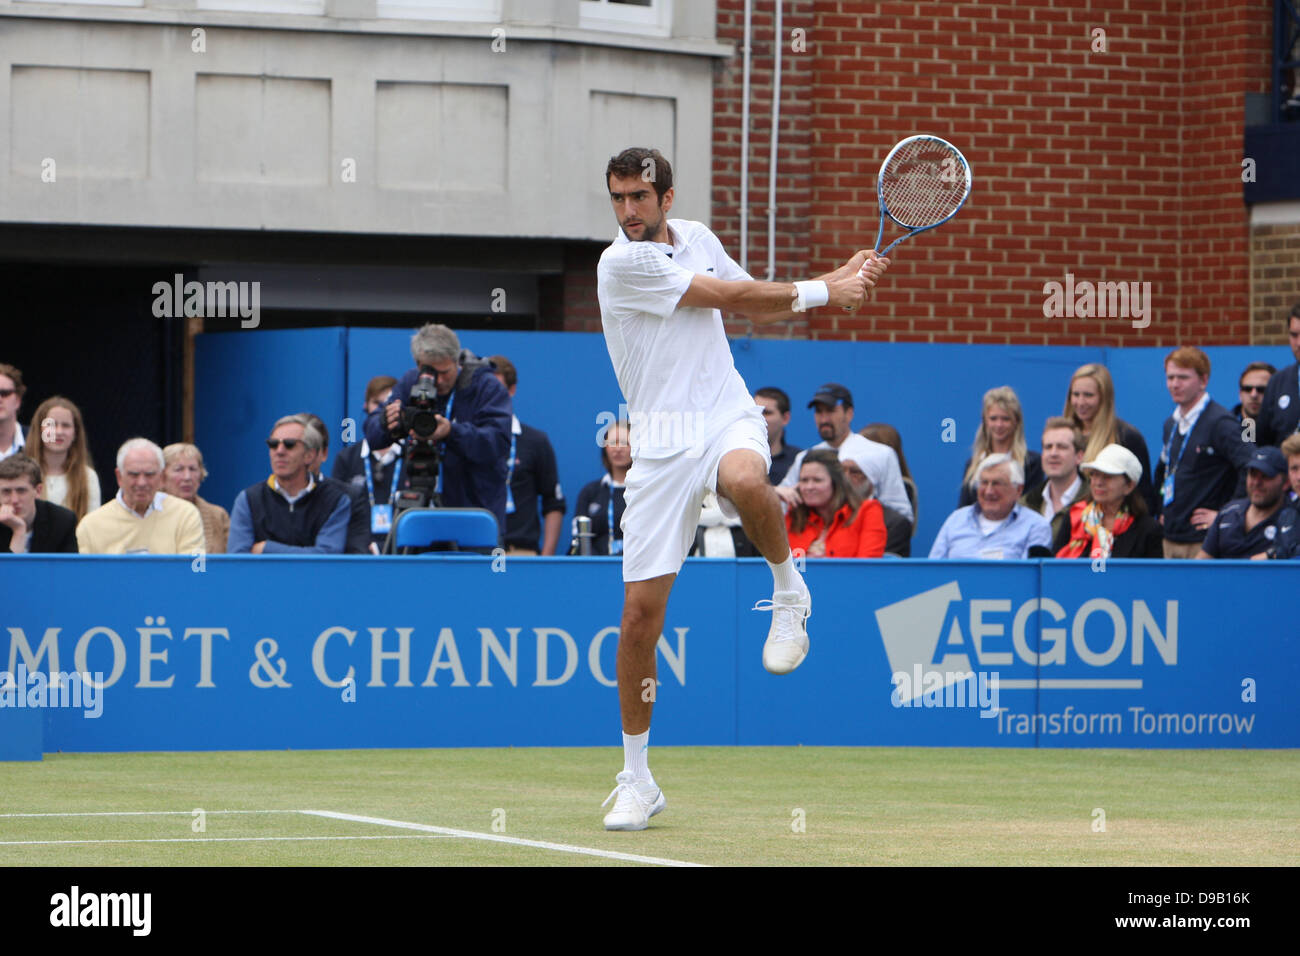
(252, 653)
(243, 382)
(246, 380)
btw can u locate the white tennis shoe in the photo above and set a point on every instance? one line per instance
(787, 638)
(638, 801)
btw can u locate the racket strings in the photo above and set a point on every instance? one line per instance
(923, 184)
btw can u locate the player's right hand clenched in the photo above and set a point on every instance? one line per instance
(847, 291)
(848, 285)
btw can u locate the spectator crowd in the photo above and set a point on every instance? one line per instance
(1225, 481)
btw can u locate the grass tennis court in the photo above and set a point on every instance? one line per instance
(726, 806)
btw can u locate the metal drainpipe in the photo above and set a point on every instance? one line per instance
(744, 147)
(776, 120)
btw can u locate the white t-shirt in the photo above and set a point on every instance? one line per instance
(673, 365)
(56, 489)
(878, 462)
(1067, 499)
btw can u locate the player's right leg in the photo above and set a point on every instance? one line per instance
(644, 606)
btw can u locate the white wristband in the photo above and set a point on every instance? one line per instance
(809, 295)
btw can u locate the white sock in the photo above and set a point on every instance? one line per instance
(636, 755)
(785, 577)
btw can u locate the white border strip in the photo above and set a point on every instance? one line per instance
(498, 838)
(141, 813)
(422, 836)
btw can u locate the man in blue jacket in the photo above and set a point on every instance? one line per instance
(291, 512)
(1280, 414)
(473, 412)
(1202, 457)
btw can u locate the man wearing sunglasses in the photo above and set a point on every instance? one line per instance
(1250, 389)
(291, 512)
(11, 397)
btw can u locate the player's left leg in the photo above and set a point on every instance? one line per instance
(742, 479)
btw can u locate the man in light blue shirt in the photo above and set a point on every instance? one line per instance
(997, 527)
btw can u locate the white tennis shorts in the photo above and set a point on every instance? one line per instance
(664, 497)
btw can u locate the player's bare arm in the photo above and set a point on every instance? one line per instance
(768, 302)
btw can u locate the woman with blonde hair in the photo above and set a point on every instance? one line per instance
(1001, 432)
(57, 442)
(183, 472)
(1090, 405)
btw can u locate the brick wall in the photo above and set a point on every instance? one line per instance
(567, 302)
(1114, 164)
(797, 129)
(1275, 280)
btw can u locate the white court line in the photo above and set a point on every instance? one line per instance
(424, 836)
(498, 838)
(140, 813)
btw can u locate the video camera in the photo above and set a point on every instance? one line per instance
(417, 423)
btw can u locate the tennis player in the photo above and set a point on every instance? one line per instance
(695, 429)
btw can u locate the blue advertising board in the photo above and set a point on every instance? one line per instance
(268, 652)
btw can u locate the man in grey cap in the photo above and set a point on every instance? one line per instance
(1246, 527)
(833, 410)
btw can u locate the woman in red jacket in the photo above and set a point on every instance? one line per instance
(831, 521)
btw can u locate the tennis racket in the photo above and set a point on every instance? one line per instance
(922, 183)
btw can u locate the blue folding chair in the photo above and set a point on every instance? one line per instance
(463, 529)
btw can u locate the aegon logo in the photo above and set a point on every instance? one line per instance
(929, 631)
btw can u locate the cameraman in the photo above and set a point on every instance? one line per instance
(473, 414)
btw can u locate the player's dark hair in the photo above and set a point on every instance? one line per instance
(1295, 313)
(649, 164)
(775, 394)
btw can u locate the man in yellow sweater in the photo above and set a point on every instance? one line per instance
(141, 519)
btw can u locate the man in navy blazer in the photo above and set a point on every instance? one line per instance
(29, 525)
(1279, 417)
(1203, 454)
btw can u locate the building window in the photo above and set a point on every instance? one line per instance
(480, 11)
(315, 8)
(649, 17)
